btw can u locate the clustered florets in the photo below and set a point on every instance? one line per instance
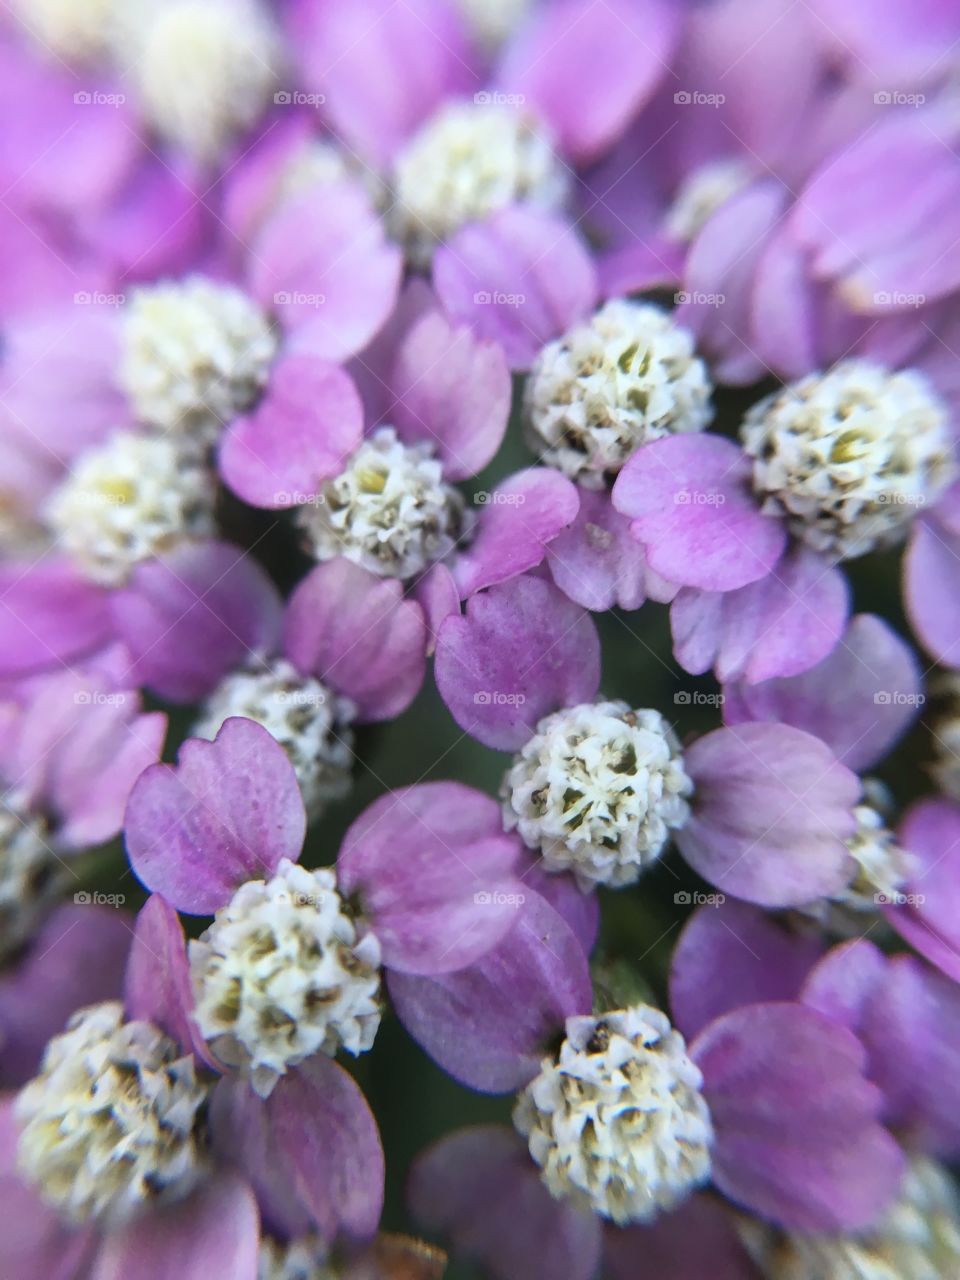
(626, 376)
(283, 973)
(617, 1122)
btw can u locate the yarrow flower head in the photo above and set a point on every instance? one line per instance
(109, 1126)
(282, 974)
(624, 377)
(390, 510)
(469, 160)
(195, 354)
(848, 457)
(129, 500)
(30, 875)
(617, 1122)
(597, 790)
(309, 720)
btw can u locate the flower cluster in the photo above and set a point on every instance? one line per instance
(479, 523)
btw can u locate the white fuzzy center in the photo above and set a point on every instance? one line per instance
(204, 69)
(702, 193)
(850, 456)
(306, 718)
(75, 30)
(133, 498)
(390, 510)
(468, 161)
(282, 974)
(598, 789)
(196, 353)
(31, 875)
(107, 1128)
(626, 376)
(618, 1123)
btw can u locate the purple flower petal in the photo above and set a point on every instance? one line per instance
(878, 246)
(229, 811)
(930, 922)
(595, 561)
(438, 597)
(690, 503)
(452, 390)
(931, 573)
(781, 625)
(580, 910)
(383, 68)
(76, 958)
(692, 1242)
(479, 1189)
(521, 651)
(897, 43)
(859, 699)
(195, 615)
(435, 875)
(734, 954)
(327, 271)
(357, 633)
(554, 63)
(489, 1025)
(48, 615)
(327, 1143)
(300, 434)
(212, 1235)
(810, 1158)
(771, 810)
(518, 522)
(520, 278)
(157, 987)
